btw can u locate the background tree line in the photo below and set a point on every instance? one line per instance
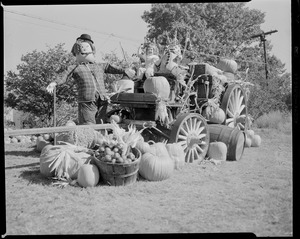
(213, 30)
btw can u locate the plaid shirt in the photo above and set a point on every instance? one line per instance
(89, 79)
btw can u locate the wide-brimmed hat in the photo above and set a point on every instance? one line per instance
(85, 37)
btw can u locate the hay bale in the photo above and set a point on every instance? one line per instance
(79, 137)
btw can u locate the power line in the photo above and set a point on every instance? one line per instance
(72, 26)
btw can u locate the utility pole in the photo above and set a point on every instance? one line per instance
(262, 37)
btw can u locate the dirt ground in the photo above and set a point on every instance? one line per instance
(253, 195)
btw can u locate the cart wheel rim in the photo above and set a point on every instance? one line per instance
(190, 131)
(235, 107)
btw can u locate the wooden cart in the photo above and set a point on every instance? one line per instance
(188, 127)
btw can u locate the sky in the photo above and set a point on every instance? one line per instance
(28, 28)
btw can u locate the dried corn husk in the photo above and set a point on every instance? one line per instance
(161, 113)
(62, 161)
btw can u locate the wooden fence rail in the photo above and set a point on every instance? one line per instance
(55, 129)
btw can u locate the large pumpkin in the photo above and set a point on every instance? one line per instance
(228, 65)
(158, 86)
(154, 168)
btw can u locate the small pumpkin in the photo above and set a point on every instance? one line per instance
(177, 154)
(157, 85)
(41, 144)
(13, 140)
(144, 147)
(115, 118)
(217, 150)
(248, 141)
(256, 141)
(88, 175)
(70, 123)
(250, 133)
(227, 65)
(217, 115)
(154, 168)
(7, 140)
(47, 137)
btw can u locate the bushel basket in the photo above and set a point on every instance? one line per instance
(119, 174)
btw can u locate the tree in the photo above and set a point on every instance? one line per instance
(224, 30)
(26, 89)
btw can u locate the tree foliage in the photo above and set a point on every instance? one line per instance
(25, 90)
(217, 30)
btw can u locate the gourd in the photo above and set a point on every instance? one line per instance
(41, 144)
(256, 141)
(13, 140)
(46, 137)
(227, 65)
(154, 168)
(116, 118)
(158, 86)
(250, 133)
(248, 141)
(144, 147)
(216, 116)
(217, 150)
(88, 175)
(176, 153)
(70, 123)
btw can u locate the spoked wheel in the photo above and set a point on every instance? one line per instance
(191, 132)
(234, 104)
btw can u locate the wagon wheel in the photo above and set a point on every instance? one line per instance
(234, 104)
(191, 132)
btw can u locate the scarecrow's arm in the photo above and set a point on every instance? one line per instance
(110, 69)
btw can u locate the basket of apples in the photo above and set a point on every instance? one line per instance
(116, 156)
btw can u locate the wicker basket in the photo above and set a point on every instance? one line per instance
(116, 174)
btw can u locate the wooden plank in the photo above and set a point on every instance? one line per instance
(55, 129)
(134, 97)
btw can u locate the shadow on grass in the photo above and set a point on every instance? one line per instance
(34, 176)
(32, 153)
(23, 165)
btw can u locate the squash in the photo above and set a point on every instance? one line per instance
(248, 141)
(7, 140)
(227, 65)
(160, 149)
(116, 118)
(70, 123)
(177, 154)
(217, 150)
(216, 116)
(47, 137)
(41, 144)
(256, 141)
(88, 175)
(13, 140)
(154, 168)
(142, 146)
(250, 133)
(158, 86)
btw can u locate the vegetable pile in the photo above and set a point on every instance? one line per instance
(117, 147)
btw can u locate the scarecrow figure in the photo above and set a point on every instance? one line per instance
(88, 76)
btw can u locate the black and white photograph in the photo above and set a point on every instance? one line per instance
(148, 118)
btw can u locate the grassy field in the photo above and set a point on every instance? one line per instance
(253, 195)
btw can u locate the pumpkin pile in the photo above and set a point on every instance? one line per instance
(252, 139)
